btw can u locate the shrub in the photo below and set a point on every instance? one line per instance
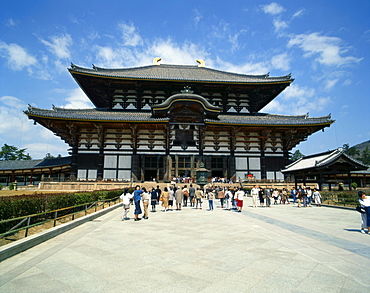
(1, 186)
(23, 205)
(354, 185)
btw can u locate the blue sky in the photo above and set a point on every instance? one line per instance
(324, 44)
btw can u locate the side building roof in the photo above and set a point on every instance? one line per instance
(34, 164)
(323, 160)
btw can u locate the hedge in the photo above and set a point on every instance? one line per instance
(23, 205)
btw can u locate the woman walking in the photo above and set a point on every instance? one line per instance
(154, 199)
(210, 197)
(137, 199)
(178, 198)
(126, 197)
(165, 199)
(146, 198)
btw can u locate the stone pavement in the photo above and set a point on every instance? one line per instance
(277, 249)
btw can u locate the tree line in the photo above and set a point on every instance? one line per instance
(12, 153)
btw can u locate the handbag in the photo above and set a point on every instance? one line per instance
(361, 210)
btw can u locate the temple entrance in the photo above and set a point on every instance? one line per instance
(216, 173)
(149, 175)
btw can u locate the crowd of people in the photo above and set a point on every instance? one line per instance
(230, 198)
(176, 197)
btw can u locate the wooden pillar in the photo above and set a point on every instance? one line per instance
(31, 177)
(74, 161)
(101, 140)
(321, 182)
(349, 180)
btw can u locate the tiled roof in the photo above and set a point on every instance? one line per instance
(240, 119)
(319, 161)
(33, 164)
(179, 72)
(95, 114)
(270, 119)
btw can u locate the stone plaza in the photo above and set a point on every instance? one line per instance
(278, 249)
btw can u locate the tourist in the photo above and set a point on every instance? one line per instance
(154, 199)
(159, 191)
(126, 198)
(285, 196)
(299, 197)
(191, 195)
(198, 197)
(178, 198)
(185, 193)
(304, 196)
(275, 195)
(268, 194)
(221, 196)
(261, 195)
(137, 199)
(165, 199)
(317, 197)
(309, 196)
(365, 217)
(171, 199)
(293, 193)
(239, 196)
(254, 193)
(146, 198)
(210, 197)
(229, 199)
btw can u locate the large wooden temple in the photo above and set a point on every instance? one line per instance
(160, 121)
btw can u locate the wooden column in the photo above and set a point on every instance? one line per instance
(101, 140)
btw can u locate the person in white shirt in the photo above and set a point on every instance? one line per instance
(126, 199)
(254, 193)
(239, 196)
(365, 217)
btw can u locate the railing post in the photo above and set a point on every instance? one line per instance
(55, 217)
(85, 209)
(28, 223)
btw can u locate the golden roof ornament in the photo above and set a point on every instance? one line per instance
(156, 61)
(201, 63)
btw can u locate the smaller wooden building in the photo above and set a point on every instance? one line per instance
(32, 172)
(331, 167)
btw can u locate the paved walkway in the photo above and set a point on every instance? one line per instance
(277, 249)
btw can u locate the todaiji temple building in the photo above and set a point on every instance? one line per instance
(160, 121)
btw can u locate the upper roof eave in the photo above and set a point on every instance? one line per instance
(190, 73)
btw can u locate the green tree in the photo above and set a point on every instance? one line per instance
(351, 151)
(50, 156)
(296, 155)
(365, 156)
(12, 153)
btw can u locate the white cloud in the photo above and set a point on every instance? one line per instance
(329, 84)
(326, 49)
(130, 36)
(11, 22)
(197, 16)
(279, 24)
(298, 13)
(281, 61)
(59, 46)
(77, 100)
(17, 57)
(296, 100)
(273, 8)
(246, 68)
